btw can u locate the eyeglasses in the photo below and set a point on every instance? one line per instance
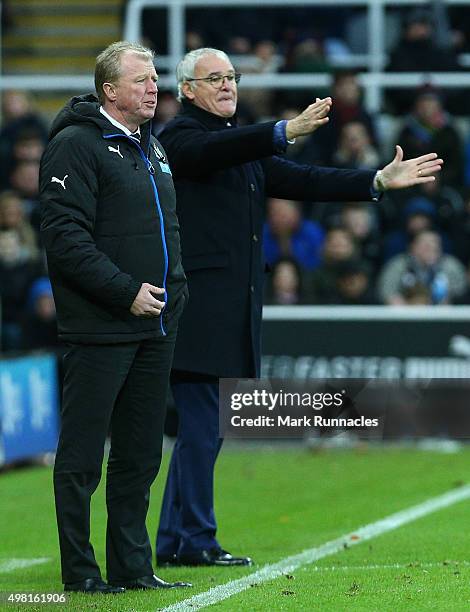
(216, 80)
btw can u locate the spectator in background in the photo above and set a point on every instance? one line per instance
(361, 221)
(353, 286)
(458, 23)
(12, 217)
(419, 215)
(355, 149)
(464, 299)
(460, 234)
(430, 127)
(39, 326)
(24, 179)
(265, 57)
(347, 107)
(26, 149)
(417, 295)
(447, 201)
(285, 286)
(423, 264)
(287, 234)
(17, 271)
(18, 106)
(18, 120)
(338, 248)
(308, 56)
(193, 40)
(418, 51)
(167, 109)
(266, 61)
(448, 210)
(238, 45)
(28, 145)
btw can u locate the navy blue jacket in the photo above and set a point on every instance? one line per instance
(222, 175)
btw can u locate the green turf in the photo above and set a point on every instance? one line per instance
(271, 504)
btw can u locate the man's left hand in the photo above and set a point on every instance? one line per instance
(399, 174)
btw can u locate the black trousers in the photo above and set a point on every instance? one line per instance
(120, 388)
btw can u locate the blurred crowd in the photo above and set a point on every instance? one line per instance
(410, 248)
(26, 302)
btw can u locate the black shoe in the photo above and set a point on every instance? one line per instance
(167, 561)
(215, 556)
(93, 585)
(150, 582)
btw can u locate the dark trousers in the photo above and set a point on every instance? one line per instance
(120, 388)
(187, 520)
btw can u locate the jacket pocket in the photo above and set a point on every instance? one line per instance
(177, 309)
(206, 261)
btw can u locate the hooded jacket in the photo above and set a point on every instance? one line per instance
(108, 224)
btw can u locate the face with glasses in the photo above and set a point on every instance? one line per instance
(214, 86)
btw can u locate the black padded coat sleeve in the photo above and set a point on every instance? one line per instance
(68, 212)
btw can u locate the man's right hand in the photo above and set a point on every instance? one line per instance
(145, 304)
(313, 117)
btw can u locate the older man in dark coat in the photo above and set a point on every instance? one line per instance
(222, 175)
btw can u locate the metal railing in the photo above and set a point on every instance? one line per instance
(374, 80)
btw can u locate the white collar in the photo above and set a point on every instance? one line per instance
(116, 123)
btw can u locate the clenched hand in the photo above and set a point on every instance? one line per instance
(145, 304)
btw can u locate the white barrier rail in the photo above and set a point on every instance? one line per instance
(375, 59)
(374, 81)
(366, 313)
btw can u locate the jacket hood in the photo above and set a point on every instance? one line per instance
(86, 109)
(79, 109)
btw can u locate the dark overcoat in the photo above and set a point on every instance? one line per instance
(222, 175)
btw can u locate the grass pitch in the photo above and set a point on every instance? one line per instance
(272, 503)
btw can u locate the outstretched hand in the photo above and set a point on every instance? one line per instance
(399, 174)
(313, 117)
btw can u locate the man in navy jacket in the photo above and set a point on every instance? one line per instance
(222, 175)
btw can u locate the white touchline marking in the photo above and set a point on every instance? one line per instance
(292, 563)
(9, 565)
(411, 566)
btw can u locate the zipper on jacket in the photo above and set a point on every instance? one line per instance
(151, 171)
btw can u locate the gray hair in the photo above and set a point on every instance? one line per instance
(186, 67)
(108, 63)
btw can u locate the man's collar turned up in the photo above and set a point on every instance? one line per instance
(209, 119)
